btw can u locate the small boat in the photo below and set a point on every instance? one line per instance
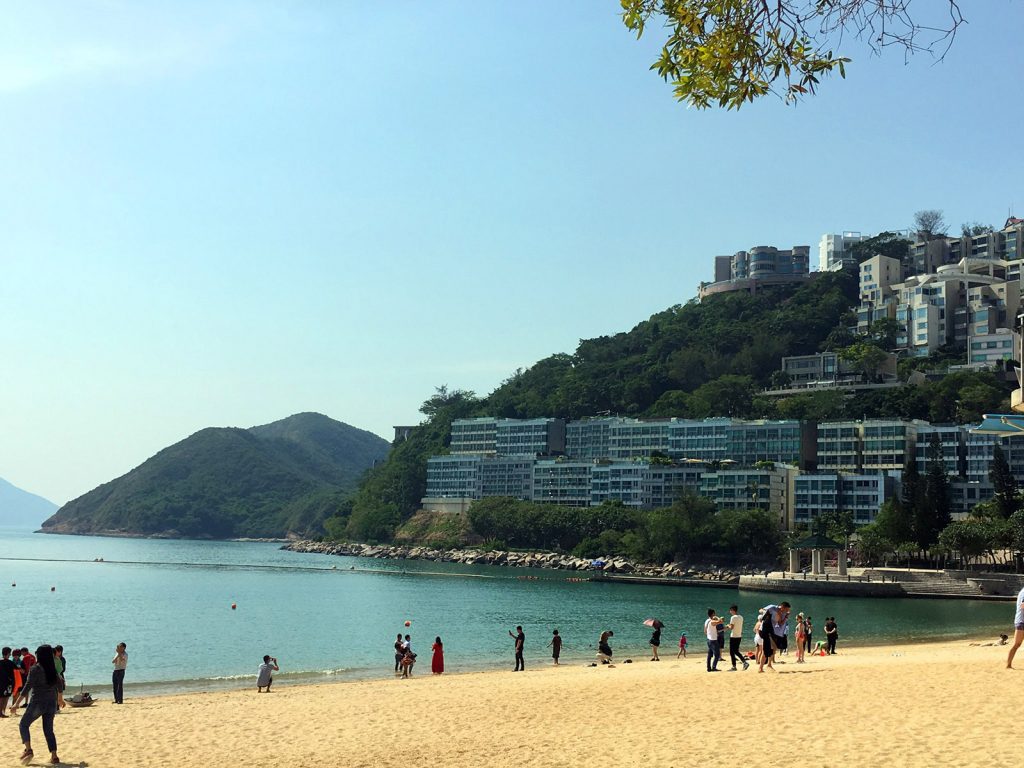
(81, 699)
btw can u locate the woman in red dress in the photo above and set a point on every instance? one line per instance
(437, 661)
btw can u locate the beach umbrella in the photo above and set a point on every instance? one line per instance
(653, 623)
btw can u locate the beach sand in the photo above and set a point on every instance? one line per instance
(908, 705)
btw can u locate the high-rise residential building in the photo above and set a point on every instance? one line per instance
(699, 440)
(590, 438)
(839, 446)
(742, 441)
(454, 477)
(562, 482)
(953, 442)
(760, 266)
(750, 488)
(818, 494)
(489, 436)
(507, 476)
(875, 446)
(887, 444)
(981, 450)
(988, 349)
(942, 308)
(835, 251)
(631, 438)
(474, 436)
(530, 437)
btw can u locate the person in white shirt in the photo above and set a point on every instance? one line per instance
(1018, 629)
(711, 633)
(735, 626)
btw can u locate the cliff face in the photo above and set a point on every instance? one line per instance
(268, 481)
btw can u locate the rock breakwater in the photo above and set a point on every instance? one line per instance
(604, 565)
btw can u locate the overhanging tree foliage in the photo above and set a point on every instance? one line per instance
(727, 53)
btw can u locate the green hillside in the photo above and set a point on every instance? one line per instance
(267, 481)
(690, 361)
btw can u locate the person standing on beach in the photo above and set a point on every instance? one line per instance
(42, 684)
(831, 634)
(720, 626)
(437, 660)
(774, 616)
(520, 638)
(682, 646)
(758, 639)
(19, 671)
(801, 638)
(809, 629)
(399, 651)
(1018, 631)
(736, 638)
(711, 625)
(120, 662)
(604, 647)
(556, 646)
(61, 664)
(27, 660)
(655, 642)
(265, 674)
(408, 657)
(6, 680)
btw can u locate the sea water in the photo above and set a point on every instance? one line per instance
(327, 618)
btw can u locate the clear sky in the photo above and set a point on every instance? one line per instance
(222, 213)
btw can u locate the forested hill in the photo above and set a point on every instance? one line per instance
(690, 361)
(266, 481)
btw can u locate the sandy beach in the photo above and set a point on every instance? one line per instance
(908, 705)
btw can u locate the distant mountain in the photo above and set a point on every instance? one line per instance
(22, 509)
(266, 481)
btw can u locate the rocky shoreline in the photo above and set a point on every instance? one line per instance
(612, 565)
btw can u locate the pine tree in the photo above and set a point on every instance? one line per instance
(935, 513)
(912, 498)
(1004, 484)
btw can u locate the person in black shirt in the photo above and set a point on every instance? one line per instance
(831, 633)
(520, 639)
(6, 680)
(655, 642)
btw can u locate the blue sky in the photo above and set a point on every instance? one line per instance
(222, 213)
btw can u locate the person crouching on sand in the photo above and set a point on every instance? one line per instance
(265, 676)
(604, 648)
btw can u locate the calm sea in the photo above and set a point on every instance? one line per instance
(170, 601)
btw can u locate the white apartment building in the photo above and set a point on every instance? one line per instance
(834, 251)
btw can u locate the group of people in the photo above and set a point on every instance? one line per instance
(771, 632)
(37, 680)
(405, 657)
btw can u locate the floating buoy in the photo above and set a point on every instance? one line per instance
(234, 606)
(408, 623)
(53, 589)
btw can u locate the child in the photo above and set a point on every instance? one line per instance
(407, 661)
(682, 646)
(556, 646)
